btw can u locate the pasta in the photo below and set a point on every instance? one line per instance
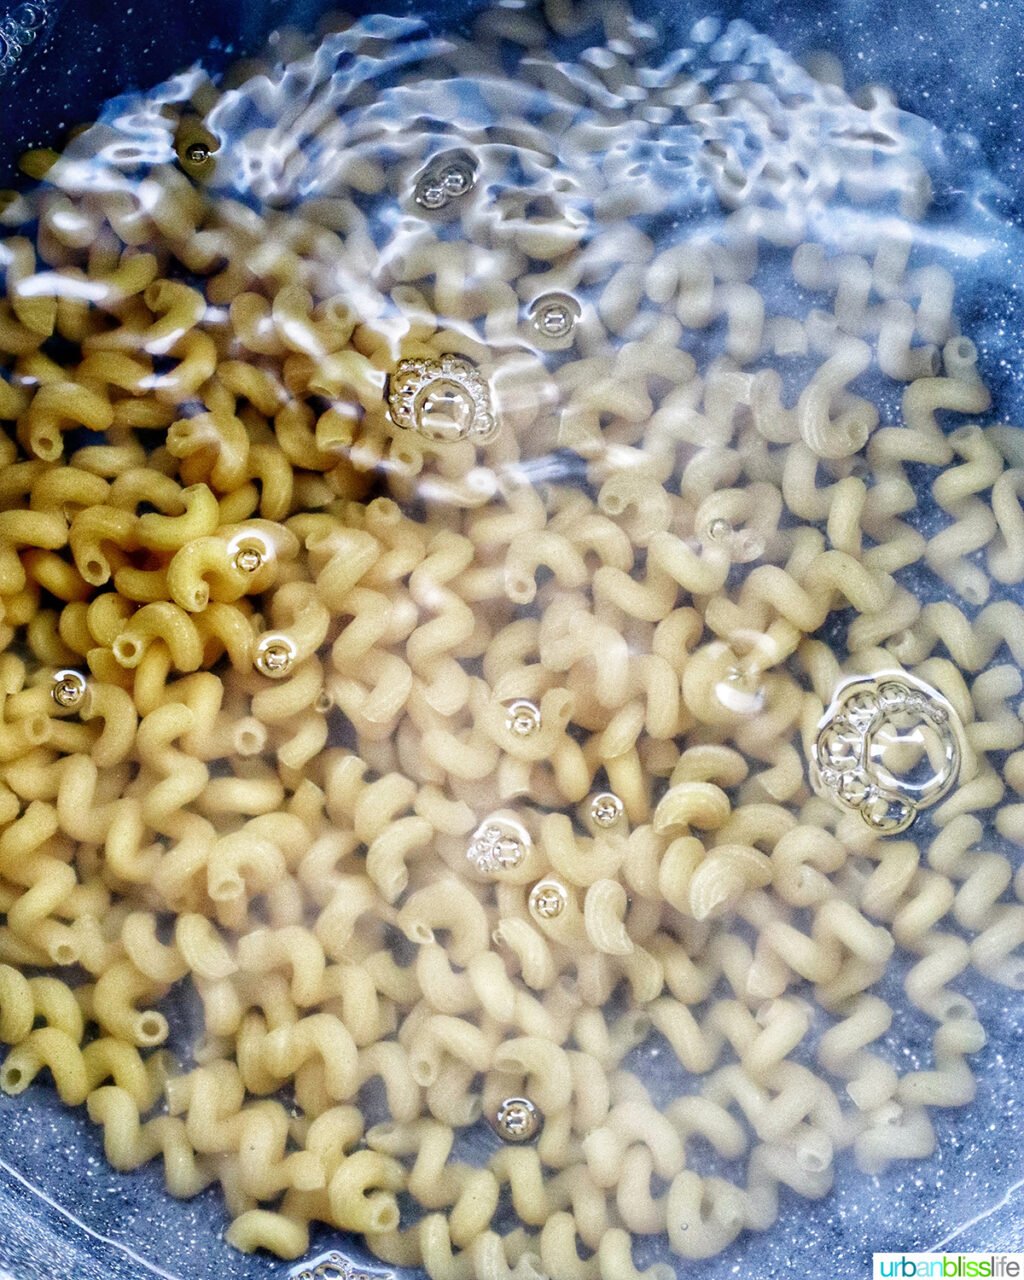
(426, 610)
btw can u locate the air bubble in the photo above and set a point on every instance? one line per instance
(431, 196)
(887, 813)
(741, 692)
(743, 545)
(275, 655)
(861, 708)
(747, 546)
(445, 410)
(69, 690)
(554, 315)
(892, 695)
(195, 146)
(30, 17)
(248, 558)
(523, 718)
(500, 843)
(249, 552)
(548, 899)
(855, 788)
(517, 1120)
(606, 809)
(840, 748)
(456, 180)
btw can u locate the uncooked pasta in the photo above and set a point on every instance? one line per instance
(456, 631)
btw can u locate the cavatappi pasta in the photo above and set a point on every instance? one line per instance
(450, 763)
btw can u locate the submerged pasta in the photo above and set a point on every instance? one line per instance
(413, 641)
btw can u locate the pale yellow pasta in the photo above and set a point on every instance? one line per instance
(17, 1006)
(117, 991)
(47, 1047)
(262, 1229)
(127, 1143)
(355, 695)
(604, 909)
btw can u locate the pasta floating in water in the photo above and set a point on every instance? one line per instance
(444, 486)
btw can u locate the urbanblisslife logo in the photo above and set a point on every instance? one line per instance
(948, 1266)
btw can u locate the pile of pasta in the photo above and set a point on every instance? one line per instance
(199, 467)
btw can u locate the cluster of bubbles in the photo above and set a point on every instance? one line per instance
(332, 1266)
(448, 177)
(887, 747)
(20, 28)
(500, 843)
(445, 399)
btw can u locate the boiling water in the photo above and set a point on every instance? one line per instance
(659, 293)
